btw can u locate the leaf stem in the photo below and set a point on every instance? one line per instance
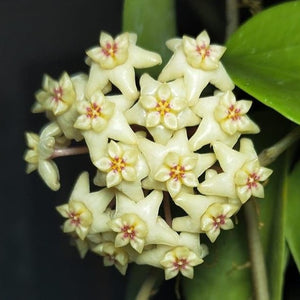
(69, 151)
(232, 16)
(258, 267)
(268, 155)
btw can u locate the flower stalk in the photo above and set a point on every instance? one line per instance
(69, 151)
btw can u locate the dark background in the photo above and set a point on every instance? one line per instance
(37, 37)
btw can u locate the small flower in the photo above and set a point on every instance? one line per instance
(87, 212)
(138, 222)
(131, 229)
(231, 115)
(79, 218)
(119, 165)
(198, 63)
(114, 61)
(113, 256)
(41, 148)
(55, 96)
(112, 52)
(200, 54)
(217, 217)
(174, 259)
(195, 206)
(95, 113)
(178, 170)
(182, 260)
(173, 167)
(222, 184)
(209, 129)
(162, 108)
(248, 179)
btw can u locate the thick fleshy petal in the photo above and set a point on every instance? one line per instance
(113, 178)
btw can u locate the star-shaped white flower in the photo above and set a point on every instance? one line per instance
(222, 184)
(101, 117)
(209, 129)
(198, 62)
(248, 179)
(115, 61)
(138, 223)
(231, 114)
(241, 174)
(41, 148)
(217, 217)
(123, 167)
(55, 96)
(174, 259)
(162, 108)
(173, 167)
(195, 206)
(86, 212)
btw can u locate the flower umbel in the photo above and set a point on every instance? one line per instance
(167, 169)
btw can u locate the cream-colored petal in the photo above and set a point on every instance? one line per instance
(153, 119)
(113, 178)
(174, 187)
(163, 174)
(103, 164)
(170, 121)
(189, 179)
(148, 102)
(129, 174)
(114, 150)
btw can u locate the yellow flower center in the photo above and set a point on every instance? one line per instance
(118, 164)
(177, 172)
(163, 107)
(93, 111)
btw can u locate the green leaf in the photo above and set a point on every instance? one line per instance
(292, 224)
(154, 21)
(262, 58)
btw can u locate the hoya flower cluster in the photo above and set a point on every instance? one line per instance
(154, 148)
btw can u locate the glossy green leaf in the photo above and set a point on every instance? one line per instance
(262, 58)
(154, 21)
(292, 224)
(222, 275)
